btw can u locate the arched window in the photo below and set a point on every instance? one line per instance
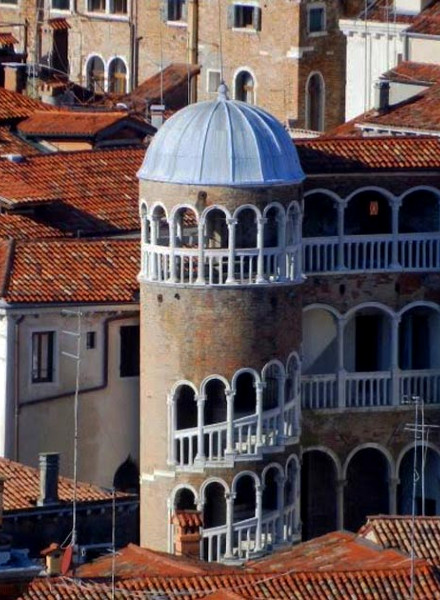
(126, 478)
(315, 103)
(318, 494)
(95, 75)
(117, 77)
(245, 87)
(427, 494)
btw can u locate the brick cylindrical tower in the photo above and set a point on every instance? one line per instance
(220, 203)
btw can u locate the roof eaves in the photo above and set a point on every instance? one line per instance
(9, 260)
(408, 130)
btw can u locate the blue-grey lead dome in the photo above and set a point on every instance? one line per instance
(225, 143)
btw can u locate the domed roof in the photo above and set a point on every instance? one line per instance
(222, 142)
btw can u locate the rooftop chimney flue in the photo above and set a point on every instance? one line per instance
(381, 94)
(157, 112)
(49, 470)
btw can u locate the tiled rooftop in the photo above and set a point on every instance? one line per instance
(396, 532)
(74, 123)
(327, 155)
(10, 143)
(79, 271)
(383, 11)
(378, 584)
(17, 106)
(22, 487)
(428, 22)
(414, 72)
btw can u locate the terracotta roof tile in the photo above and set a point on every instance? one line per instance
(380, 584)
(74, 123)
(10, 143)
(326, 155)
(186, 518)
(8, 39)
(396, 532)
(428, 22)
(17, 106)
(22, 227)
(79, 271)
(58, 24)
(22, 487)
(383, 11)
(414, 72)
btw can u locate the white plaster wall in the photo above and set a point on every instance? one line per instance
(426, 50)
(6, 385)
(369, 55)
(108, 418)
(319, 342)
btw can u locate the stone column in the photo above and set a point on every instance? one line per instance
(281, 404)
(230, 423)
(395, 207)
(341, 372)
(395, 371)
(231, 250)
(201, 255)
(172, 277)
(298, 245)
(200, 458)
(340, 207)
(340, 484)
(392, 487)
(229, 525)
(258, 515)
(171, 430)
(282, 256)
(260, 245)
(259, 386)
(153, 257)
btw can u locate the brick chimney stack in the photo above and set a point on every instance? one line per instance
(49, 470)
(187, 536)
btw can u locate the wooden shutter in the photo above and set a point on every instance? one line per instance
(257, 18)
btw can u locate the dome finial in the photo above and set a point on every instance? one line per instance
(222, 91)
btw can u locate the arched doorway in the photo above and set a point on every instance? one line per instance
(318, 494)
(427, 489)
(315, 102)
(366, 491)
(245, 87)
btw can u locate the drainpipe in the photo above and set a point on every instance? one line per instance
(193, 35)
(16, 385)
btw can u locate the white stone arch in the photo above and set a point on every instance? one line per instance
(209, 209)
(276, 362)
(87, 62)
(214, 378)
(276, 205)
(411, 446)
(293, 356)
(238, 476)
(143, 208)
(185, 206)
(243, 207)
(272, 465)
(328, 307)
(420, 188)
(207, 482)
(157, 205)
(178, 488)
(322, 101)
(292, 458)
(419, 303)
(179, 384)
(372, 188)
(253, 372)
(127, 71)
(373, 446)
(331, 454)
(377, 305)
(251, 72)
(333, 195)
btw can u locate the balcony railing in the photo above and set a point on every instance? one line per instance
(363, 390)
(414, 252)
(245, 436)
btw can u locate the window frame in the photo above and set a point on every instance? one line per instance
(9, 3)
(173, 8)
(208, 74)
(236, 23)
(60, 10)
(50, 358)
(315, 6)
(108, 10)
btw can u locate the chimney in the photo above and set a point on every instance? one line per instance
(187, 536)
(15, 76)
(381, 94)
(2, 487)
(49, 468)
(157, 115)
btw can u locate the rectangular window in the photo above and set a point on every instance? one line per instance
(244, 16)
(316, 19)
(43, 356)
(9, 2)
(176, 10)
(130, 351)
(91, 340)
(97, 5)
(118, 7)
(61, 4)
(213, 81)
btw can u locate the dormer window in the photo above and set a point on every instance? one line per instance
(316, 19)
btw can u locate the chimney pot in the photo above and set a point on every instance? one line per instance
(49, 470)
(157, 115)
(381, 94)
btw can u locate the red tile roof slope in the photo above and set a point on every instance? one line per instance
(378, 584)
(22, 227)
(135, 562)
(74, 123)
(17, 106)
(22, 487)
(79, 271)
(383, 11)
(428, 22)
(327, 155)
(336, 551)
(10, 143)
(414, 72)
(396, 532)
(70, 175)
